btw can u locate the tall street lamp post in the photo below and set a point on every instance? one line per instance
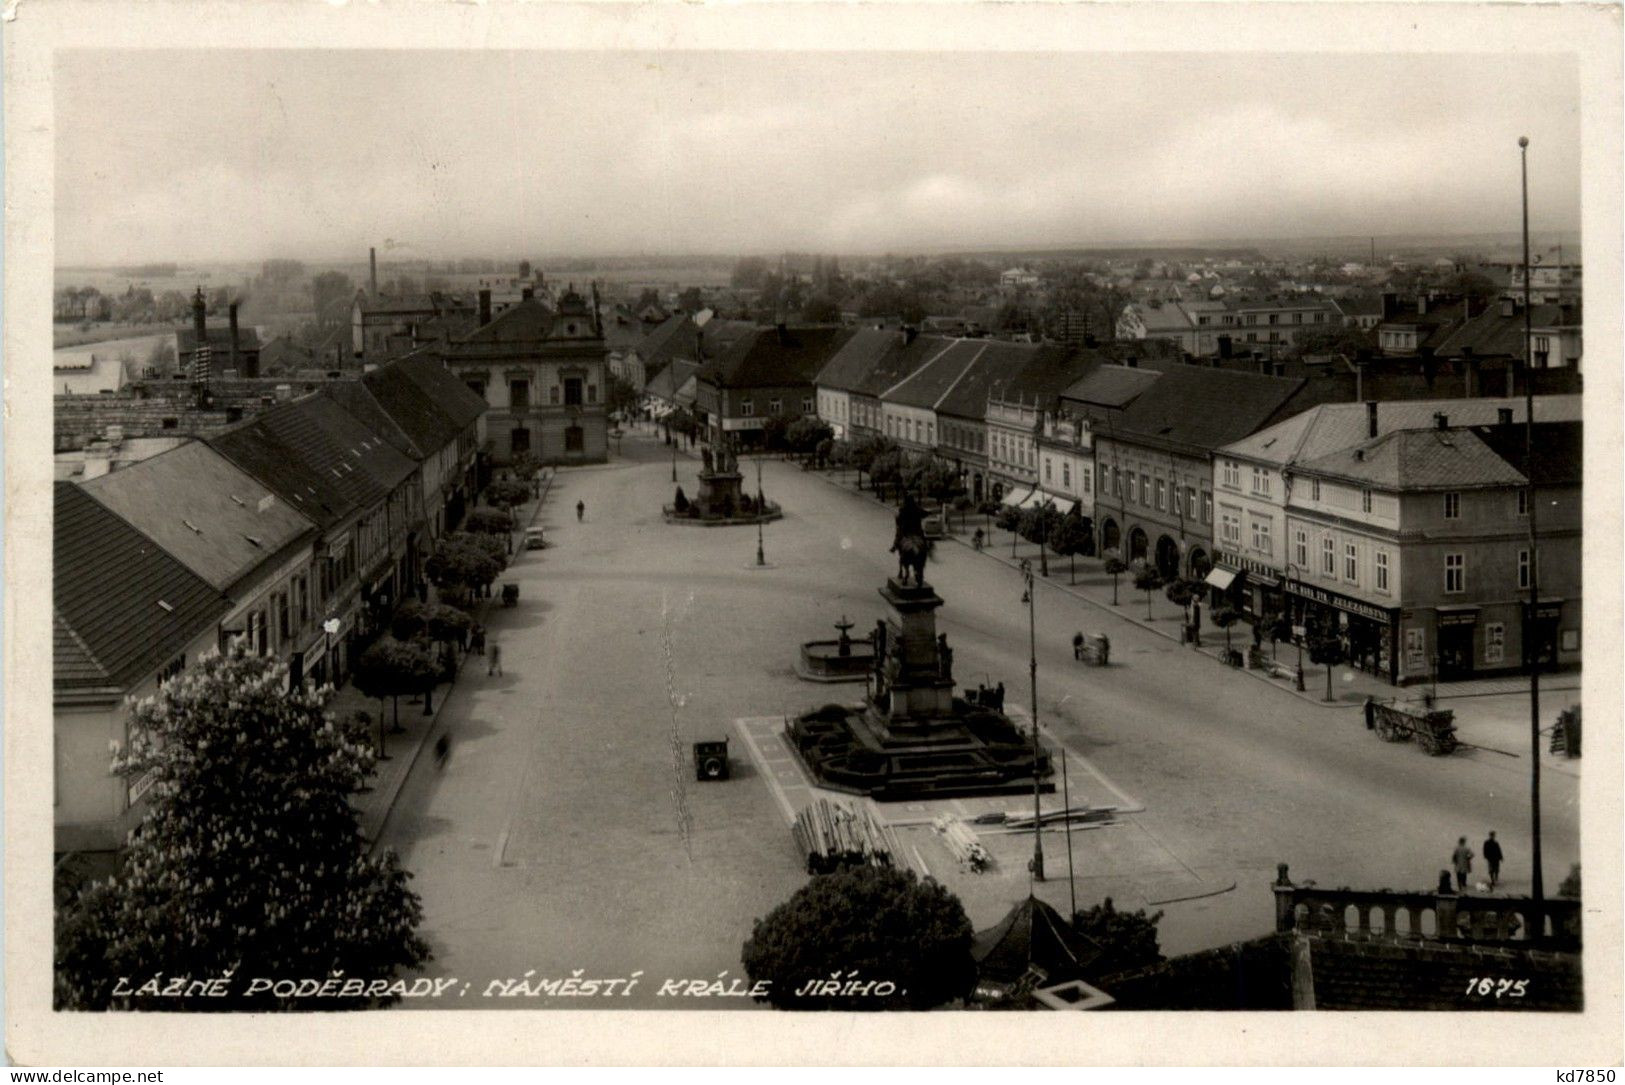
(760, 557)
(1531, 652)
(1028, 597)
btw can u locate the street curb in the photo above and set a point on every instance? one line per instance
(1148, 627)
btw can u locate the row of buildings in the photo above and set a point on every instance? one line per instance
(1400, 515)
(294, 529)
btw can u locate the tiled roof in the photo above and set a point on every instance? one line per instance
(858, 358)
(936, 377)
(769, 357)
(1110, 386)
(1168, 317)
(1047, 370)
(121, 606)
(1333, 426)
(1032, 933)
(526, 322)
(210, 516)
(1418, 459)
(673, 335)
(425, 401)
(1201, 409)
(1559, 449)
(993, 363)
(900, 364)
(317, 457)
(1251, 975)
(1491, 333)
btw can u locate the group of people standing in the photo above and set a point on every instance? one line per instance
(1461, 861)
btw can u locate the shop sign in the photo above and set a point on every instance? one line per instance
(1250, 565)
(1341, 602)
(1459, 617)
(142, 785)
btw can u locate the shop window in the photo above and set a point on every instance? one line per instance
(1455, 573)
(519, 440)
(575, 439)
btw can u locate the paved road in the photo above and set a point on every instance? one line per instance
(567, 830)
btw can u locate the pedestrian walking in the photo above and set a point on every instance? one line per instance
(581, 510)
(1492, 856)
(495, 667)
(1077, 646)
(1461, 861)
(1370, 714)
(442, 749)
(477, 639)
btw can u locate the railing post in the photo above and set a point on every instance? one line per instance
(1285, 899)
(1444, 914)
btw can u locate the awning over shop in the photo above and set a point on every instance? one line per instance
(1221, 578)
(1017, 497)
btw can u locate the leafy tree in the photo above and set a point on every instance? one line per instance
(1068, 538)
(804, 434)
(1180, 592)
(1008, 518)
(489, 521)
(1128, 940)
(461, 565)
(619, 395)
(411, 619)
(878, 922)
(506, 494)
(962, 504)
(691, 300)
(775, 430)
(1147, 578)
(940, 481)
(249, 860)
(447, 625)
(1037, 524)
(1326, 648)
(1116, 566)
(886, 470)
(386, 671)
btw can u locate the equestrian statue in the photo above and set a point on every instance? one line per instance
(910, 544)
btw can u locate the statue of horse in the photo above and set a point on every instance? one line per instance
(911, 555)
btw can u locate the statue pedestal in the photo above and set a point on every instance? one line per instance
(719, 493)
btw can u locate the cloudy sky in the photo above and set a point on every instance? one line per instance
(244, 155)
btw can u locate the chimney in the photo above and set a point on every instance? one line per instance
(1441, 420)
(485, 307)
(241, 365)
(1503, 416)
(1370, 418)
(1390, 305)
(200, 353)
(372, 260)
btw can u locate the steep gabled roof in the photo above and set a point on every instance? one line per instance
(316, 456)
(1200, 409)
(1490, 333)
(425, 401)
(121, 607)
(526, 322)
(898, 365)
(990, 364)
(858, 358)
(925, 386)
(772, 357)
(205, 512)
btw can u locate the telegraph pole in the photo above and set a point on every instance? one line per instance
(1531, 616)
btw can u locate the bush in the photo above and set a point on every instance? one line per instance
(410, 620)
(1128, 940)
(506, 494)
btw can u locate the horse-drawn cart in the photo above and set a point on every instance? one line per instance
(1433, 728)
(1095, 648)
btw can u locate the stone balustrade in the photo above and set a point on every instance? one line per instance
(1446, 916)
